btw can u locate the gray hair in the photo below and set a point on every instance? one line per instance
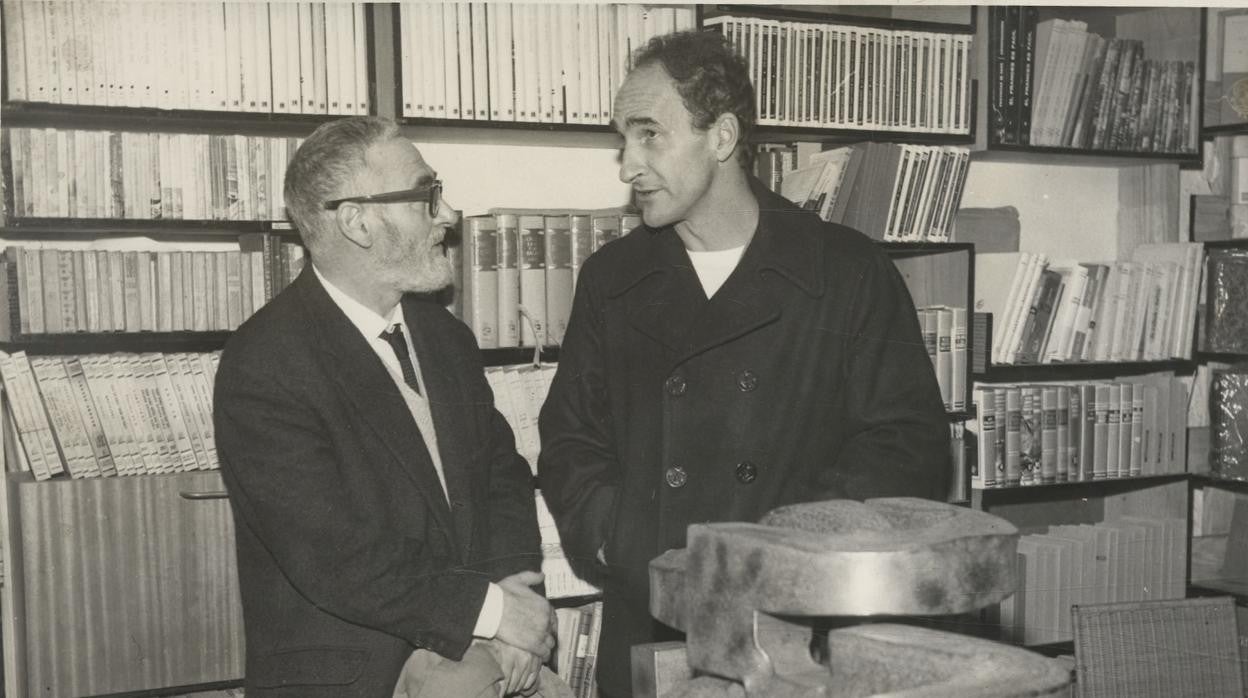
(329, 159)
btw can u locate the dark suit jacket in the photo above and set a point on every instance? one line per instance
(349, 555)
(804, 378)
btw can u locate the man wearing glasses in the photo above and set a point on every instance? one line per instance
(386, 533)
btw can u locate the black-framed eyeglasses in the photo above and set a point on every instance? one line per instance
(431, 194)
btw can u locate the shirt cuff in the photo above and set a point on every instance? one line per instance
(491, 615)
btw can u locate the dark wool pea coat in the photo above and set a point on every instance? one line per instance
(803, 378)
(349, 553)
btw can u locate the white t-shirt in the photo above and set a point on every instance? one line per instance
(714, 267)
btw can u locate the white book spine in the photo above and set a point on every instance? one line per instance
(360, 59)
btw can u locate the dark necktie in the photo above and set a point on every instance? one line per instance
(394, 337)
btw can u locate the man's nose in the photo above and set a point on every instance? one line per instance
(447, 213)
(630, 164)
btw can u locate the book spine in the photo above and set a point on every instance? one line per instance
(559, 279)
(1027, 19)
(532, 281)
(481, 279)
(509, 321)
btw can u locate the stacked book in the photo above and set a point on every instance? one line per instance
(537, 62)
(520, 268)
(1043, 433)
(576, 653)
(1048, 311)
(109, 174)
(110, 414)
(1054, 83)
(1128, 559)
(64, 291)
(846, 77)
(519, 392)
(944, 336)
(889, 191)
(281, 57)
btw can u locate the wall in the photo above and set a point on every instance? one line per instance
(1064, 211)
(478, 177)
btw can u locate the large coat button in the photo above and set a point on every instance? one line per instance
(747, 472)
(747, 380)
(676, 385)
(675, 476)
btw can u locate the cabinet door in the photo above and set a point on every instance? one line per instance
(127, 585)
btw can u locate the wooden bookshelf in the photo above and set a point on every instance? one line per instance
(1224, 130)
(160, 227)
(1217, 565)
(995, 496)
(1045, 155)
(107, 342)
(1176, 38)
(101, 595)
(878, 16)
(96, 118)
(1081, 370)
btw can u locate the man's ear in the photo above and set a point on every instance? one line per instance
(352, 224)
(727, 133)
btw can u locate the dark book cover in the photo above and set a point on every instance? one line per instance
(1035, 332)
(1025, 69)
(1228, 418)
(1226, 328)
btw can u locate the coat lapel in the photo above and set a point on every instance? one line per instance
(442, 392)
(363, 379)
(667, 300)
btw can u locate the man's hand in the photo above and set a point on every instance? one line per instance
(528, 621)
(520, 668)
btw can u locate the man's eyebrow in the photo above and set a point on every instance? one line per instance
(639, 121)
(425, 180)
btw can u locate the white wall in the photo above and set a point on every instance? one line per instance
(1064, 211)
(478, 177)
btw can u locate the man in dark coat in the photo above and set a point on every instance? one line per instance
(386, 529)
(732, 355)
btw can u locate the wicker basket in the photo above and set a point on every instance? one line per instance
(1162, 649)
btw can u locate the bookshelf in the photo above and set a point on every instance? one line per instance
(1053, 84)
(124, 584)
(107, 604)
(1224, 112)
(1047, 180)
(479, 157)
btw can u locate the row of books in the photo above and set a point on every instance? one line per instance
(110, 174)
(1054, 83)
(520, 267)
(1128, 559)
(576, 652)
(835, 76)
(280, 57)
(547, 63)
(889, 191)
(105, 415)
(944, 336)
(63, 291)
(1051, 311)
(1037, 434)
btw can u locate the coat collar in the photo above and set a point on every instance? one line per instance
(363, 379)
(788, 240)
(666, 299)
